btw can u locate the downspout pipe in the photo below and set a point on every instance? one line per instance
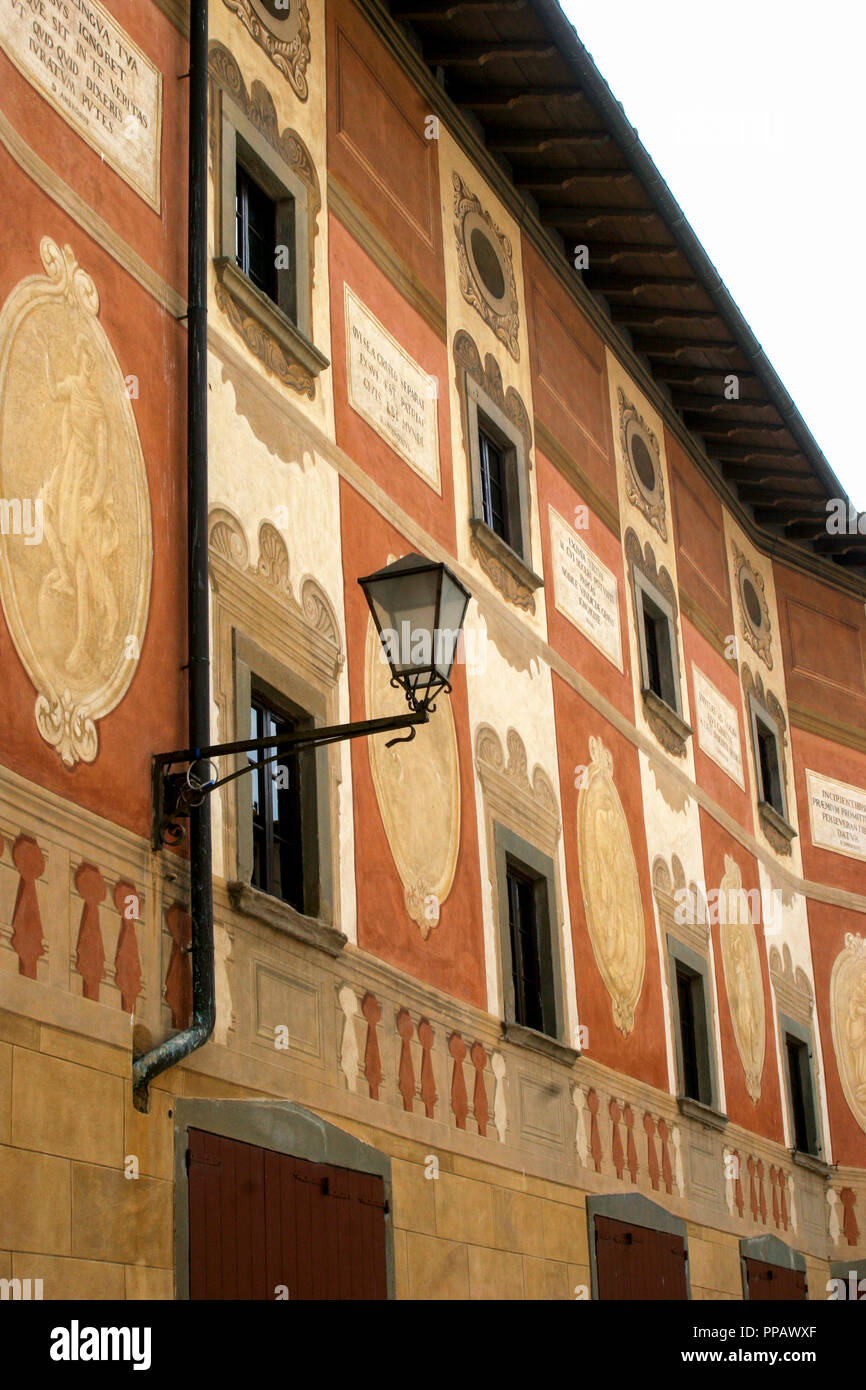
(175, 1049)
(601, 96)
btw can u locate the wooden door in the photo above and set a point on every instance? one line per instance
(262, 1223)
(773, 1283)
(633, 1262)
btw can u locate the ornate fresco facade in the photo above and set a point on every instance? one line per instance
(641, 819)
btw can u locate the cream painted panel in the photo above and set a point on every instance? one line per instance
(739, 549)
(462, 315)
(309, 119)
(505, 699)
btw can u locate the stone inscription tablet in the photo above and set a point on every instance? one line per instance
(81, 61)
(837, 815)
(585, 590)
(391, 392)
(718, 727)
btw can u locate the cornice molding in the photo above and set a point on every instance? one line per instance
(835, 730)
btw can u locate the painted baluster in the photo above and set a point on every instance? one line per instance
(127, 961)
(580, 1140)
(349, 1050)
(652, 1157)
(372, 1011)
(459, 1099)
(428, 1082)
(783, 1199)
(850, 1229)
(406, 1074)
(738, 1185)
(479, 1093)
(667, 1171)
(775, 1195)
(753, 1192)
(500, 1098)
(178, 977)
(678, 1161)
(593, 1103)
(631, 1150)
(26, 920)
(90, 951)
(762, 1200)
(615, 1141)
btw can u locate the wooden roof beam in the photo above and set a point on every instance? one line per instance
(708, 403)
(545, 179)
(484, 98)
(572, 219)
(688, 375)
(646, 316)
(674, 347)
(505, 141)
(467, 55)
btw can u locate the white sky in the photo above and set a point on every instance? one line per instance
(754, 115)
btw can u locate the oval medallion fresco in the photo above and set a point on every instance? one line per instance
(611, 887)
(417, 787)
(75, 574)
(741, 962)
(848, 1022)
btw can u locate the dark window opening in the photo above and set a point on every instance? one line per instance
(696, 1081)
(494, 487)
(768, 767)
(279, 832)
(525, 950)
(256, 233)
(659, 673)
(802, 1099)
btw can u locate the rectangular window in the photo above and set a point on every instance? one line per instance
(769, 771)
(283, 848)
(801, 1096)
(525, 951)
(659, 671)
(255, 233)
(696, 1081)
(494, 486)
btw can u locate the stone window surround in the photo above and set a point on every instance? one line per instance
(707, 1112)
(294, 648)
(512, 848)
(289, 321)
(637, 1210)
(802, 1033)
(665, 720)
(769, 1250)
(281, 1126)
(480, 389)
(759, 714)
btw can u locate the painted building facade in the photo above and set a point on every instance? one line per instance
(657, 724)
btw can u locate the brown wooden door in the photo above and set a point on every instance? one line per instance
(772, 1283)
(633, 1262)
(259, 1220)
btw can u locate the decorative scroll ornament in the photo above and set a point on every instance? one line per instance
(754, 613)
(644, 478)
(417, 787)
(742, 967)
(486, 268)
(75, 565)
(611, 887)
(283, 31)
(848, 1022)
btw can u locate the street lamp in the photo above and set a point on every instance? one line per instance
(418, 607)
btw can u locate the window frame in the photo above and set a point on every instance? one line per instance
(681, 957)
(257, 669)
(789, 1027)
(513, 852)
(758, 715)
(504, 434)
(645, 590)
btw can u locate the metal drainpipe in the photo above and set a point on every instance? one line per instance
(173, 1050)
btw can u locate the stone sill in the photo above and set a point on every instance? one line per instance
(704, 1114)
(810, 1161)
(526, 581)
(290, 338)
(669, 717)
(776, 822)
(539, 1042)
(250, 902)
